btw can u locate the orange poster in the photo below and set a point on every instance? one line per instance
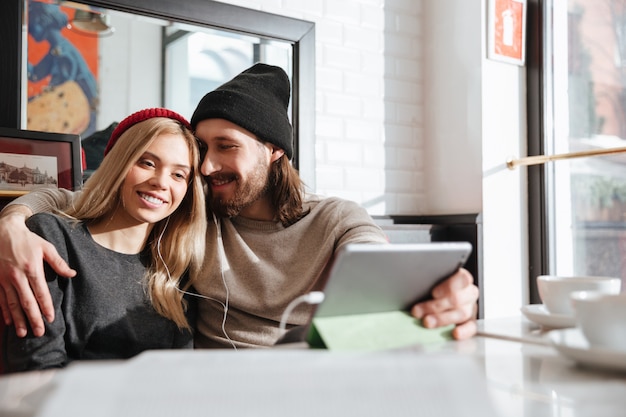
(507, 30)
(62, 72)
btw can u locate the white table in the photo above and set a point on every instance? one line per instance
(509, 369)
(526, 376)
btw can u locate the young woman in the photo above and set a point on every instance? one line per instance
(135, 237)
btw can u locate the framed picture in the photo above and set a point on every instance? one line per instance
(30, 160)
(506, 33)
(62, 63)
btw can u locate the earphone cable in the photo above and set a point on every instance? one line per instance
(221, 250)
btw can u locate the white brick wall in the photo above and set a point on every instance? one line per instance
(409, 115)
(368, 102)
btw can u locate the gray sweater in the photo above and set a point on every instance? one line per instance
(101, 313)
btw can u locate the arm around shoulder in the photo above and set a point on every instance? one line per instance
(32, 353)
(17, 212)
(23, 289)
(44, 200)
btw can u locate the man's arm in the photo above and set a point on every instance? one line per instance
(454, 300)
(30, 352)
(23, 287)
(49, 351)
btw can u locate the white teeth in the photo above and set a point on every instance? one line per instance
(222, 182)
(151, 199)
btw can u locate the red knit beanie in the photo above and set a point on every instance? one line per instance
(140, 116)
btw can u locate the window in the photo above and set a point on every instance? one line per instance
(577, 102)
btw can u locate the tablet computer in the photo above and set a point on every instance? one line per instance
(374, 278)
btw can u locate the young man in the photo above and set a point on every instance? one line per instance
(269, 243)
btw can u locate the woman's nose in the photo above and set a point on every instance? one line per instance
(159, 178)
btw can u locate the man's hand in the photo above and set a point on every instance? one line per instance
(23, 288)
(454, 302)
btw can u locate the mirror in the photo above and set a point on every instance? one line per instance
(147, 53)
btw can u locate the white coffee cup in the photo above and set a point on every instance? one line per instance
(602, 318)
(555, 291)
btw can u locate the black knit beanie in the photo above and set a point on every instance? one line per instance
(256, 100)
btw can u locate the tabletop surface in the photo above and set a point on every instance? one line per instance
(510, 369)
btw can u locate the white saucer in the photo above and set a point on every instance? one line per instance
(573, 344)
(539, 314)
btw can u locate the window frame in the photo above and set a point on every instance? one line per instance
(536, 105)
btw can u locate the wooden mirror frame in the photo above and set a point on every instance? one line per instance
(207, 13)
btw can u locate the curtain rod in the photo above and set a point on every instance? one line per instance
(542, 159)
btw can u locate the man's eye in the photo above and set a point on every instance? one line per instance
(202, 148)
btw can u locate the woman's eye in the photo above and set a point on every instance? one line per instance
(146, 162)
(180, 176)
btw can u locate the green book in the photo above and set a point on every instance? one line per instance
(373, 332)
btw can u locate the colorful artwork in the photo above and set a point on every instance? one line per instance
(62, 72)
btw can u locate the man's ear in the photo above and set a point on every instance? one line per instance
(276, 153)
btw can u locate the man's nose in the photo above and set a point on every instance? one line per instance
(210, 164)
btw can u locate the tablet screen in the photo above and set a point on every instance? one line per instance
(373, 278)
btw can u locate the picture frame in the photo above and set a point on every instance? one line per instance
(31, 160)
(506, 32)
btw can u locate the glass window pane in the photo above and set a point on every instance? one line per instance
(587, 223)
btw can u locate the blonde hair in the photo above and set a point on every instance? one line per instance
(177, 244)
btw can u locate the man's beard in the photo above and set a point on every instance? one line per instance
(246, 193)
